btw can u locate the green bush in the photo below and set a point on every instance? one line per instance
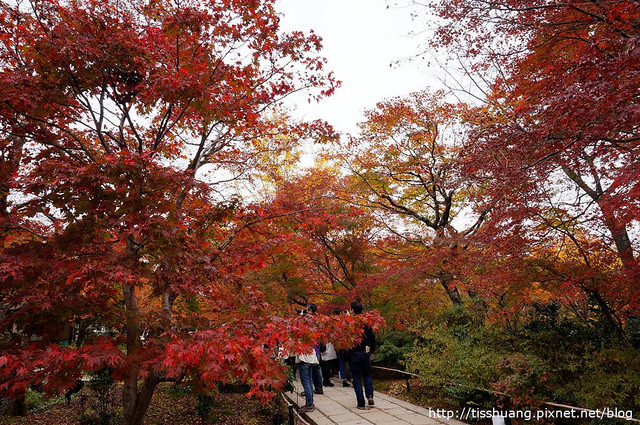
(452, 353)
(633, 331)
(611, 377)
(392, 346)
(541, 354)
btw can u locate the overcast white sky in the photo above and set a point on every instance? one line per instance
(361, 39)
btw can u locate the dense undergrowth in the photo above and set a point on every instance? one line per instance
(541, 355)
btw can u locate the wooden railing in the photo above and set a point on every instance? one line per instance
(294, 417)
(407, 375)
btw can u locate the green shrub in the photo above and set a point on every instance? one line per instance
(392, 346)
(454, 353)
(610, 377)
(540, 354)
(633, 331)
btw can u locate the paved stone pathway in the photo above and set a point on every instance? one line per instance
(337, 406)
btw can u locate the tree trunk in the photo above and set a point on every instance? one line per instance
(619, 234)
(141, 400)
(132, 328)
(21, 404)
(611, 319)
(617, 228)
(167, 308)
(445, 280)
(135, 403)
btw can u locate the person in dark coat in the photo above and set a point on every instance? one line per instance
(360, 358)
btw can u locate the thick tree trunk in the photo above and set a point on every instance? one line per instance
(132, 327)
(21, 404)
(445, 280)
(138, 409)
(136, 403)
(620, 236)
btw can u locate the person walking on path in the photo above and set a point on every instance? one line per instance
(306, 362)
(309, 370)
(360, 358)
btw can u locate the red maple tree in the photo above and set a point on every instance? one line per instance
(108, 110)
(556, 139)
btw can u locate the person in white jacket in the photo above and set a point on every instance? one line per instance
(329, 362)
(306, 362)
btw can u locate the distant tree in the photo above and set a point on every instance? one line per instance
(340, 237)
(406, 166)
